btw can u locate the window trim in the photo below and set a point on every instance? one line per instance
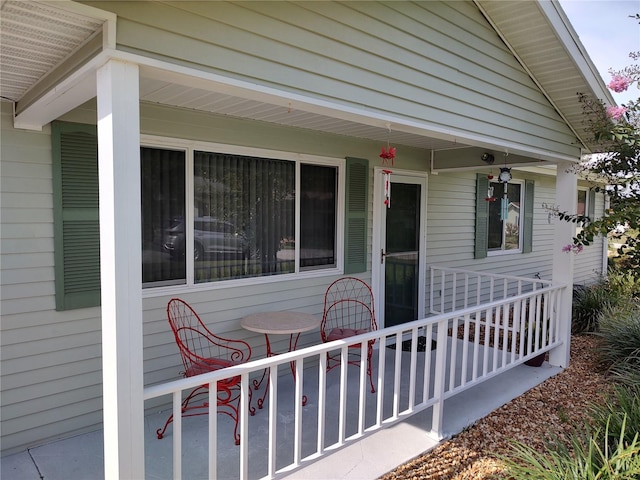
(520, 249)
(189, 147)
(480, 249)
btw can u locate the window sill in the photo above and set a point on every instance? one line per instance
(500, 253)
(153, 292)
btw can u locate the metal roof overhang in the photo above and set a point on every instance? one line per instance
(65, 79)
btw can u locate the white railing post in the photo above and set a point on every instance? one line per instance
(439, 380)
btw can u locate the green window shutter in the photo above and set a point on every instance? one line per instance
(482, 216)
(357, 199)
(527, 241)
(76, 222)
(591, 204)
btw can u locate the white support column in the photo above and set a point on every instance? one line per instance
(562, 272)
(121, 269)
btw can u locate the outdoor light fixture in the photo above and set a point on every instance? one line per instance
(487, 158)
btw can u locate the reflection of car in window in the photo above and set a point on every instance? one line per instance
(210, 237)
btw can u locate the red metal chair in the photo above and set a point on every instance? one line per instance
(348, 311)
(203, 351)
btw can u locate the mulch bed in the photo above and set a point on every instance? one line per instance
(548, 411)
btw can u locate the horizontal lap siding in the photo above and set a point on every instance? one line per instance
(451, 227)
(451, 234)
(436, 63)
(51, 364)
(588, 263)
(51, 361)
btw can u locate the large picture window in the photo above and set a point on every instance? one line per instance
(251, 216)
(210, 215)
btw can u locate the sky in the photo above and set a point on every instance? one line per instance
(608, 34)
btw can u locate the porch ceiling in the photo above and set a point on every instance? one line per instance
(37, 36)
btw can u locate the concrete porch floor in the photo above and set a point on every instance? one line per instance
(81, 457)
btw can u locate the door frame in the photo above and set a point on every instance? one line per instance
(379, 232)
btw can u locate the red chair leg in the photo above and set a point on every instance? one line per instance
(369, 367)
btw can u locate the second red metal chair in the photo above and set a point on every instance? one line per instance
(348, 311)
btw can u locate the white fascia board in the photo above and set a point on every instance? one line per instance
(80, 87)
(190, 77)
(70, 93)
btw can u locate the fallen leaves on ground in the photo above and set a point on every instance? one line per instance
(549, 411)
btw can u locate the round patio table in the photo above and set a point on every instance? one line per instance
(279, 323)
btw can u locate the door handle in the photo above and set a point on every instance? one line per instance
(382, 255)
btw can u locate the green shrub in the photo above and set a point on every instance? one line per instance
(619, 415)
(623, 283)
(619, 332)
(593, 457)
(588, 303)
(627, 373)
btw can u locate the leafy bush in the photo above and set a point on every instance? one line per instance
(591, 457)
(619, 415)
(627, 373)
(623, 283)
(588, 303)
(619, 332)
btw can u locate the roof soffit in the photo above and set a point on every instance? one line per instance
(541, 54)
(541, 37)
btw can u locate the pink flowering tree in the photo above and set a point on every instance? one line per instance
(615, 133)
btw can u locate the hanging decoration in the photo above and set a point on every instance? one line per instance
(388, 153)
(504, 177)
(387, 187)
(490, 197)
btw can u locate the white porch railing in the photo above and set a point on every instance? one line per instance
(472, 344)
(453, 289)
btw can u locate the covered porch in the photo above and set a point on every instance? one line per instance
(344, 431)
(434, 377)
(414, 389)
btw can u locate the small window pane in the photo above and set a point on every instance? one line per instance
(505, 235)
(317, 216)
(243, 216)
(163, 208)
(582, 202)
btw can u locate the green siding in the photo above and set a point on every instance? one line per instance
(436, 63)
(76, 215)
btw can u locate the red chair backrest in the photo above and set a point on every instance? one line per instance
(348, 303)
(202, 350)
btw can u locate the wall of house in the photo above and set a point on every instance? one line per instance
(439, 64)
(51, 360)
(435, 63)
(451, 230)
(588, 264)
